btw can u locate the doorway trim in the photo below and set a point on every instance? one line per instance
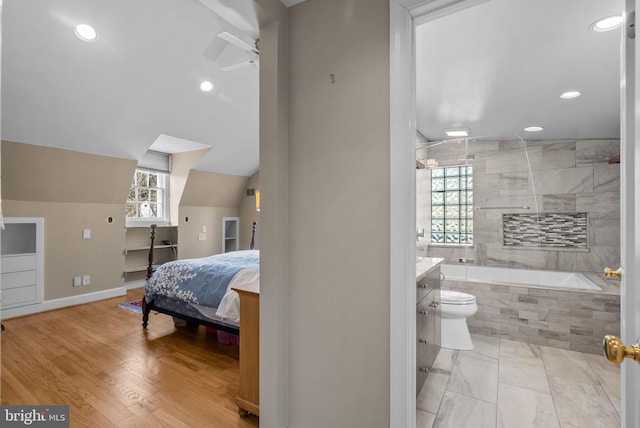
(402, 154)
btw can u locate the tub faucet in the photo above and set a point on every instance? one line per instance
(608, 272)
(466, 260)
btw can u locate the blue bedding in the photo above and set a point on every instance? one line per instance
(203, 281)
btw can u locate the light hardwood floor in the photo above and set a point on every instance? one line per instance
(97, 359)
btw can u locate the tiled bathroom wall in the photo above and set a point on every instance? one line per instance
(549, 177)
(575, 320)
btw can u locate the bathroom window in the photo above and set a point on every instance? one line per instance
(452, 205)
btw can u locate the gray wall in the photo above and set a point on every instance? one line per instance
(566, 176)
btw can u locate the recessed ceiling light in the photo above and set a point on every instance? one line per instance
(533, 128)
(206, 86)
(570, 94)
(457, 132)
(86, 33)
(607, 24)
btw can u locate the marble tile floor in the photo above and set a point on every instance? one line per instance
(504, 384)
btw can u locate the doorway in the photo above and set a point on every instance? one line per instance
(614, 191)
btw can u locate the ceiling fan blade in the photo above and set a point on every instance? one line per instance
(233, 16)
(237, 65)
(240, 41)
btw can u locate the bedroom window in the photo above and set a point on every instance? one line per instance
(148, 196)
(452, 205)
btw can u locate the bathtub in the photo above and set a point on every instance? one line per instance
(519, 277)
(566, 310)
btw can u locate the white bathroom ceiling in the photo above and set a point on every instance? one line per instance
(501, 66)
(139, 81)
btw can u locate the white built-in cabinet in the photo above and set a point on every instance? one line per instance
(230, 234)
(22, 261)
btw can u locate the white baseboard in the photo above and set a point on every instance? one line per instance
(135, 284)
(63, 302)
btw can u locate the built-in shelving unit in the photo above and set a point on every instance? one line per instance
(22, 260)
(230, 233)
(137, 250)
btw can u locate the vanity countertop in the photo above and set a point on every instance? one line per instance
(424, 265)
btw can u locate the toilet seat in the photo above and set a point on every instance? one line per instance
(450, 297)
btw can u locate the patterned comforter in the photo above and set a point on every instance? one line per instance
(202, 281)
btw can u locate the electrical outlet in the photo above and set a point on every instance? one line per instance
(86, 233)
(202, 237)
(77, 281)
(86, 279)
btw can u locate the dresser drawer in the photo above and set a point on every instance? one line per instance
(18, 279)
(18, 263)
(18, 296)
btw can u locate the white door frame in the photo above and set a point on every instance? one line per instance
(402, 158)
(630, 219)
(402, 348)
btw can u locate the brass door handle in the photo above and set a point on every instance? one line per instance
(616, 351)
(608, 272)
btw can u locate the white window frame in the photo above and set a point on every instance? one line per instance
(164, 207)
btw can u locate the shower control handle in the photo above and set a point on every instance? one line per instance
(423, 312)
(616, 351)
(434, 304)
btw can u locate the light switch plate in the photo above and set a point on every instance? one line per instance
(86, 233)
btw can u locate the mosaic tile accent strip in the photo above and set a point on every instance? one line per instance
(546, 230)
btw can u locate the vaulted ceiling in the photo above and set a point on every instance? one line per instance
(137, 83)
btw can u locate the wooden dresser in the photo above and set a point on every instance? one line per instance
(248, 400)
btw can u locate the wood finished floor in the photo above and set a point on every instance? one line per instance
(97, 359)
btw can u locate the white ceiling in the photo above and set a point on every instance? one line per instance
(501, 66)
(139, 81)
(494, 68)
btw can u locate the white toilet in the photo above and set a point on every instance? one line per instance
(455, 307)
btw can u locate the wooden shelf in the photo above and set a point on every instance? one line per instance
(138, 269)
(155, 247)
(137, 248)
(135, 269)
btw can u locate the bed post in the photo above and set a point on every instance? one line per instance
(253, 234)
(152, 236)
(145, 306)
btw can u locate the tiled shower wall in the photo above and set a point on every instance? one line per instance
(566, 176)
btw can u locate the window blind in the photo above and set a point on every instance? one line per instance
(155, 160)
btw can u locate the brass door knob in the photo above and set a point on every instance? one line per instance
(616, 351)
(608, 272)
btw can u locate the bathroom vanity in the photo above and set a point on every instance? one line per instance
(427, 317)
